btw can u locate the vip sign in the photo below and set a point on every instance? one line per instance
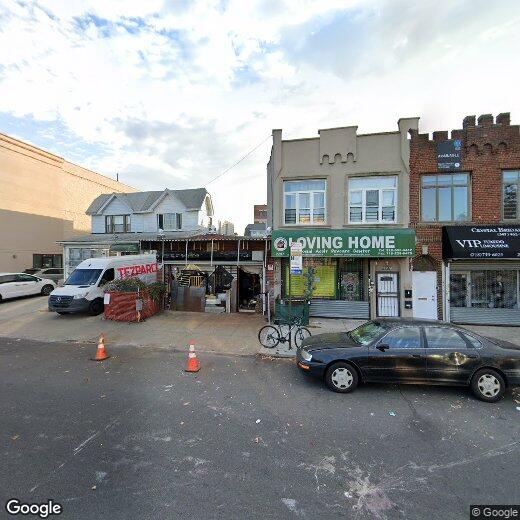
(342, 242)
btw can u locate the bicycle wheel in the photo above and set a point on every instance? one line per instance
(300, 334)
(268, 336)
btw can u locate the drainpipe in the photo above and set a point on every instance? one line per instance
(446, 293)
(186, 256)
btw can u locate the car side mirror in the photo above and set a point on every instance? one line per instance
(383, 347)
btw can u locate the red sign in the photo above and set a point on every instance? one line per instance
(135, 270)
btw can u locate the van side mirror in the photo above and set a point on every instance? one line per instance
(383, 347)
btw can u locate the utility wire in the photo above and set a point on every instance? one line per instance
(239, 161)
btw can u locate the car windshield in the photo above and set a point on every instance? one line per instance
(367, 333)
(83, 277)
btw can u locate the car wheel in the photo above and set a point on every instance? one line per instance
(96, 307)
(341, 377)
(0, 298)
(488, 385)
(47, 289)
(62, 313)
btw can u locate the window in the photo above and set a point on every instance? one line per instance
(485, 289)
(117, 224)
(368, 332)
(108, 276)
(404, 337)
(41, 261)
(475, 343)
(440, 337)
(169, 221)
(372, 199)
(8, 278)
(510, 181)
(83, 277)
(304, 202)
(26, 278)
(53, 271)
(445, 198)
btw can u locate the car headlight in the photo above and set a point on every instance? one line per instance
(305, 354)
(79, 296)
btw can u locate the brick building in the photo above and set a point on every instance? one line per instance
(464, 205)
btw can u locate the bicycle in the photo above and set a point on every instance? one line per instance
(270, 336)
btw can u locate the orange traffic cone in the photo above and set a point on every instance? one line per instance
(193, 363)
(101, 353)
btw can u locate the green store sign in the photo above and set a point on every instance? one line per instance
(345, 242)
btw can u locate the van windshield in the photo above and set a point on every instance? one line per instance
(83, 277)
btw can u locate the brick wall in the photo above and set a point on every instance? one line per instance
(489, 147)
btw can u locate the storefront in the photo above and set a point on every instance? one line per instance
(358, 273)
(482, 264)
(214, 273)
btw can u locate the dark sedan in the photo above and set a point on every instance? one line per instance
(401, 350)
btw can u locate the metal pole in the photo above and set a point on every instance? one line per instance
(211, 261)
(162, 260)
(186, 258)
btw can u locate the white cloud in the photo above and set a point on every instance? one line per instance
(176, 92)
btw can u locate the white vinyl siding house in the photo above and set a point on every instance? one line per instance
(177, 210)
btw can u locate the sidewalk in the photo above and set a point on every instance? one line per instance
(220, 333)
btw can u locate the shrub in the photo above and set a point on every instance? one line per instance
(125, 285)
(155, 290)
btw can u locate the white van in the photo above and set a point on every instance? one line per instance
(83, 289)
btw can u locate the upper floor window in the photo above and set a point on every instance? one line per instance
(169, 221)
(117, 224)
(510, 183)
(372, 199)
(304, 201)
(445, 198)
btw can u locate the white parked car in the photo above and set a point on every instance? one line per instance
(14, 285)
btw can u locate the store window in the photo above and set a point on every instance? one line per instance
(485, 289)
(44, 261)
(510, 182)
(117, 224)
(76, 255)
(321, 272)
(169, 221)
(305, 202)
(445, 198)
(372, 199)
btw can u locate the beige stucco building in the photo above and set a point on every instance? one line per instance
(43, 199)
(344, 196)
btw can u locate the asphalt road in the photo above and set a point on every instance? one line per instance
(136, 437)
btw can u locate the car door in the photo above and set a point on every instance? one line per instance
(27, 284)
(449, 356)
(398, 356)
(8, 286)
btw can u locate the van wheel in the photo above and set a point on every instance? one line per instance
(96, 307)
(47, 289)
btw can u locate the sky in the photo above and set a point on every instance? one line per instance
(171, 93)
